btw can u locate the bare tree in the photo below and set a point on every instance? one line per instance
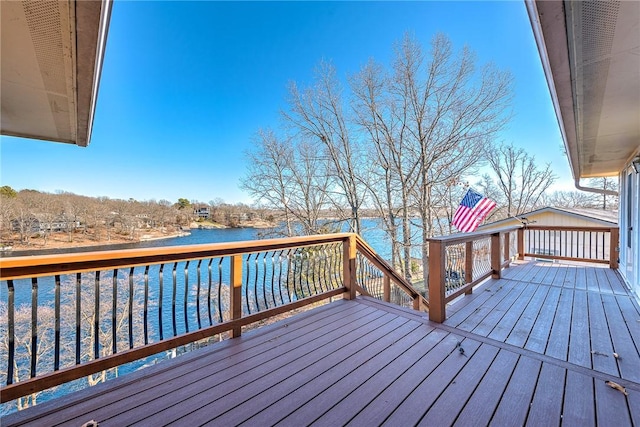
(606, 183)
(453, 112)
(288, 176)
(316, 114)
(520, 181)
(393, 164)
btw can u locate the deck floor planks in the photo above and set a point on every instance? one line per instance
(480, 407)
(578, 407)
(580, 279)
(513, 302)
(514, 404)
(522, 328)
(478, 313)
(245, 362)
(611, 406)
(615, 281)
(413, 407)
(539, 273)
(377, 411)
(603, 281)
(260, 377)
(579, 339)
(601, 348)
(546, 406)
(342, 412)
(561, 274)
(330, 392)
(558, 344)
(470, 304)
(285, 397)
(446, 408)
(521, 273)
(506, 324)
(623, 345)
(539, 336)
(591, 280)
(189, 364)
(634, 408)
(312, 365)
(549, 278)
(570, 277)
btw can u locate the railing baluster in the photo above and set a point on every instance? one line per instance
(307, 276)
(160, 298)
(210, 282)
(264, 280)
(236, 292)
(78, 330)
(255, 282)
(220, 289)
(186, 296)
(131, 307)
(322, 266)
(114, 312)
(280, 262)
(198, 294)
(96, 319)
(145, 323)
(11, 330)
(273, 276)
(174, 295)
(246, 286)
(56, 345)
(293, 278)
(34, 325)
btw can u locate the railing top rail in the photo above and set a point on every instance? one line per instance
(569, 228)
(371, 255)
(467, 237)
(42, 265)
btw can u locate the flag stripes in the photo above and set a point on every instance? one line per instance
(472, 210)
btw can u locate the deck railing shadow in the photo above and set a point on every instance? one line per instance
(97, 311)
(458, 262)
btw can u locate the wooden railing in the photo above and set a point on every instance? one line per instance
(66, 317)
(458, 262)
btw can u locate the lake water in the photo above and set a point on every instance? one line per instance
(372, 233)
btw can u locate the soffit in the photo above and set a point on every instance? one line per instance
(51, 62)
(593, 52)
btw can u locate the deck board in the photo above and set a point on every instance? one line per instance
(578, 408)
(480, 407)
(527, 361)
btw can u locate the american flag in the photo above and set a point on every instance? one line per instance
(473, 208)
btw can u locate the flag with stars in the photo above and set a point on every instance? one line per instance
(472, 210)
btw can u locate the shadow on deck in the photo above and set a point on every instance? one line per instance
(534, 347)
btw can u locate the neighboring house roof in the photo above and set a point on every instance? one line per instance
(602, 217)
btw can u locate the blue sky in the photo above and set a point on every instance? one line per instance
(185, 86)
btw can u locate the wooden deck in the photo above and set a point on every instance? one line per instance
(538, 348)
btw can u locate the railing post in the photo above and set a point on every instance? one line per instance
(495, 256)
(521, 243)
(614, 241)
(468, 265)
(349, 266)
(507, 248)
(437, 304)
(386, 287)
(236, 293)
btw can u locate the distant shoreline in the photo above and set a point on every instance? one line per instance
(59, 242)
